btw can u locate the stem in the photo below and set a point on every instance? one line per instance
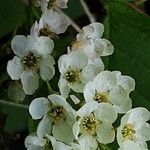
(49, 87)
(87, 11)
(73, 24)
(36, 14)
(13, 104)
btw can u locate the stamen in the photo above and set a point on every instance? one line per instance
(128, 132)
(72, 76)
(56, 113)
(101, 97)
(29, 61)
(89, 124)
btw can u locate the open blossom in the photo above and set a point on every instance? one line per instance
(90, 41)
(32, 57)
(50, 24)
(134, 129)
(111, 87)
(75, 72)
(94, 125)
(58, 117)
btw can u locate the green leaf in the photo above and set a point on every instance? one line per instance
(12, 13)
(17, 118)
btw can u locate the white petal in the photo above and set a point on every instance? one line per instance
(106, 111)
(47, 70)
(57, 145)
(89, 91)
(58, 23)
(92, 69)
(75, 99)
(108, 47)
(62, 3)
(143, 132)
(44, 127)
(76, 129)
(138, 115)
(63, 87)
(58, 100)
(104, 81)
(63, 131)
(87, 108)
(105, 133)
(118, 96)
(88, 142)
(35, 29)
(98, 47)
(75, 59)
(78, 87)
(127, 83)
(15, 68)
(34, 140)
(30, 81)
(94, 30)
(120, 138)
(44, 45)
(125, 106)
(128, 145)
(39, 107)
(19, 45)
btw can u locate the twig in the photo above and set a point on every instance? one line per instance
(73, 24)
(13, 104)
(87, 11)
(51, 91)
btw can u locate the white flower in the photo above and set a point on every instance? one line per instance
(90, 41)
(50, 23)
(131, 145)
(58, 117)
(94, 125)
(53, 4)
(75, 72)
(33, 55)
(134, 127)
(111, 87)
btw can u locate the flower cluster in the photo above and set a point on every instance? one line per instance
(105, 94)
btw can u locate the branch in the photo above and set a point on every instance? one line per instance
(87, 11)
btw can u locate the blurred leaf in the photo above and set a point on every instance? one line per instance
(17, 118)
(12, 13)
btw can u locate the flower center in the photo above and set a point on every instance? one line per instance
(72, 76)
(76, 45)
(128, 132)
(56, 113)
(47, 146)
(51, 4)
(46, 32)
(29, 61)
(89, 124)
(101, 97)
